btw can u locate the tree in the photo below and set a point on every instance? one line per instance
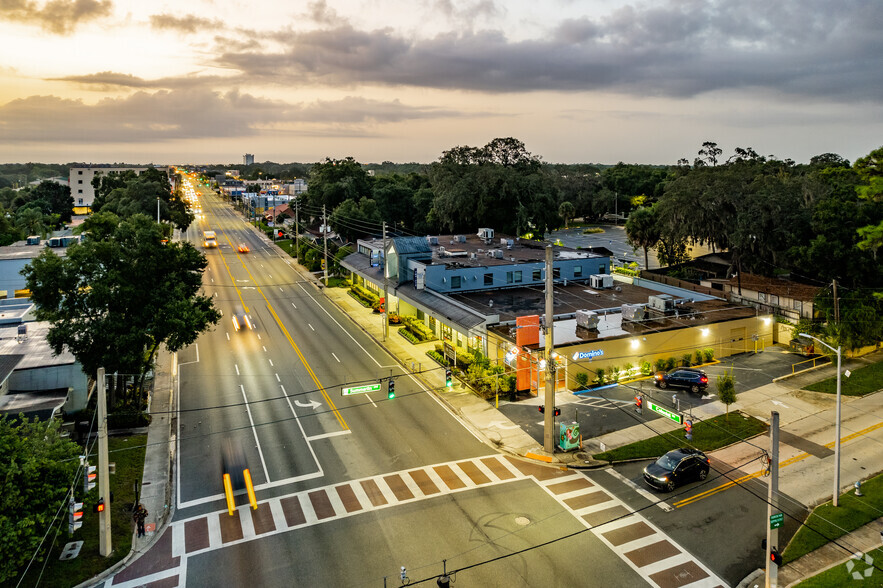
(115, 298)
(126, 194)
(58, 197)
(36, 472)
(335, 180)
(726, 390)
(709, 153)
(30, 221)
(642, 231)
(566, 210)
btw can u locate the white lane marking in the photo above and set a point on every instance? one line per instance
(311, 404)
(228, 336)
(325, 310)
(271, 362)
(253, 430)
(335, 357)
(258, 335)
(311, 326)
(327, 435)
(237, 368)
(265, 348)
(645, 493)
(281, 290)
(213, 280)
(369, 398)
(295, 307)
(277, 377)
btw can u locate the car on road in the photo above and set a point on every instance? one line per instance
(241, 321)
(677, 467)
(694, 380)
(243, 248)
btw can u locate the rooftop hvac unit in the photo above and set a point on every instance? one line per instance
(498, 253)
(55, 242)
(634, 312)
(509, 243)
(70, 240)
(33, 240)
(661, 303)
(587, 319)
(460, 239)
(471, 256)
(442, 252)
(601, 281)
(432, 240)
(486, 233)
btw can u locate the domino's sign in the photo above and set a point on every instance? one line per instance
(591, 354)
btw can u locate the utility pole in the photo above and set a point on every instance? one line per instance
(385, 314)
(297, 229)
(325, 239)
(772, 535)
(836, 305)
(157, 211)
(549, 414)
(104, 544)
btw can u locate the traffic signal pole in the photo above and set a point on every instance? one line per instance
(105, 547)
(772, 535)
(549, 416)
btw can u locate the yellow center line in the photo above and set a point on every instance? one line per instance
(787, 462)
(288, 336)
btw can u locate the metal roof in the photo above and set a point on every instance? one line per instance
(405, 245)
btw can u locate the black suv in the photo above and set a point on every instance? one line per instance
(694, 380)
(677, 467)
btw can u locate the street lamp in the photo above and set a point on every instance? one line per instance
(837, 420)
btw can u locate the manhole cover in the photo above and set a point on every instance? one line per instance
(523, 521)
(582, 455)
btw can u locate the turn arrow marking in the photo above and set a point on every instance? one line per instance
(311, 404)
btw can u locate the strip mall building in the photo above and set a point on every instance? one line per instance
(483, 293)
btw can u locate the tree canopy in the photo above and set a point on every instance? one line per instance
(127, 193)
(115, 298)
(36, 473)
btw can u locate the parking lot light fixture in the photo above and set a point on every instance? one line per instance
(836, 420)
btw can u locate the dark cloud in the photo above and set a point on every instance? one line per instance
(56, 16)
(109, 80)
(189, 114)
(189, 23)
(679, 48)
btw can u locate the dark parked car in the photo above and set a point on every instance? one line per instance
(693, 380)
(677, 467)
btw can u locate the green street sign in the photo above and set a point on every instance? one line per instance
(678, 418)
(777, 520)
(360, 389)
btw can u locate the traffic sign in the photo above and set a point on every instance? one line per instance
(678, 418)
(360, 389)
(777, 520)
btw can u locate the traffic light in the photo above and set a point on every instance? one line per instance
(75, 516)
(639, 404)
(775, 557)
(391, 391)
(688, 430)
(89, 477)
(557, 411)
(449, 377)
(99, 506)
(542, 408)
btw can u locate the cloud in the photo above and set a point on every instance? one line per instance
(56, 16)
(109, 80)
(189, 114)
(189, 23)
(676, 48)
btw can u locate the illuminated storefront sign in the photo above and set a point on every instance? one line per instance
(588, 354)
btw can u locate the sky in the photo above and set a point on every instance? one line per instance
(578, 81)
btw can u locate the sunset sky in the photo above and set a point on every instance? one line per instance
(602, 81)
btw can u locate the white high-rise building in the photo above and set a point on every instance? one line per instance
(248, 159)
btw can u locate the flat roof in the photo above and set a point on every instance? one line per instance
(33, 346)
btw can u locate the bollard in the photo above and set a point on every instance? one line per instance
(858, 488)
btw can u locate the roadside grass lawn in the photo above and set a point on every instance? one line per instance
(827, 522)
(862, 381)
(708, 435)
(286, 245)
(841, 576)
(128, 454)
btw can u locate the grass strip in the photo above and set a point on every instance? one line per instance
(828, 522)
(862, 381)
(128, 455)
(842, 575)
(708, 435)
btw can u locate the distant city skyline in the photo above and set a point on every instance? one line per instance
(578, 81)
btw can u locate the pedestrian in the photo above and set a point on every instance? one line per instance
(139, 516)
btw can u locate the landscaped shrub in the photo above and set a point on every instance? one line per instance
(671, 363)
(599, 376)
(646, 368)
(409, 336)
(708, 352)
(687, 359)
(582, 380)
(697, 357)
(364, 294)
(614, 374)
(417, 328)
(628, 370)
(659, 365)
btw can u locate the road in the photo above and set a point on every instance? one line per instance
(352, 488)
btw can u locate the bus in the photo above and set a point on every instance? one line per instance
(209, 240)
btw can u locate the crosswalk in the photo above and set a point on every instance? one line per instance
(639, 543)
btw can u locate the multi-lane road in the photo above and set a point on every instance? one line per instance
(352, 488)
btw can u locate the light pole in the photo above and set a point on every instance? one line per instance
(836, 420)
